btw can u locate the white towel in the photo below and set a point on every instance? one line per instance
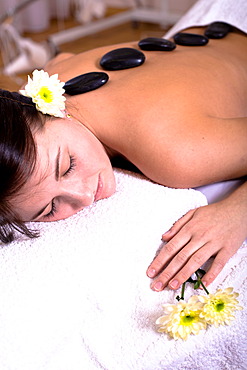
(78, 298)
(205, 12)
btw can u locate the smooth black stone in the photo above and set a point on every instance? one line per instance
(85, 83)
(217, 30)
(190, 39)
(122, 58)
(156, 44)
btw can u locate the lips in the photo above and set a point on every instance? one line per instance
(99, 191)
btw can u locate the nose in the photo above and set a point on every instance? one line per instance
(77, 194)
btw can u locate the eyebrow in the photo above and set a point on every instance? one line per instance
(57, 161)
(57, 164)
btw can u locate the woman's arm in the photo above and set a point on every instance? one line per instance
(215, 230)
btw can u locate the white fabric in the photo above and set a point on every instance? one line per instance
(219, 190)
(78, 298)
(205, 12)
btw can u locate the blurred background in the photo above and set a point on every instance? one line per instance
(34, 31)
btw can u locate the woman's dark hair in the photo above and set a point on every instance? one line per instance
(18, 116)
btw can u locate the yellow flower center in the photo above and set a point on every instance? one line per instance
(219, 306)
(188, 319)
(45, 94)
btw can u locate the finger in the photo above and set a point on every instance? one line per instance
(177, 226)
(167, 252)
(219, 262)
(192, 265)
(182, 266)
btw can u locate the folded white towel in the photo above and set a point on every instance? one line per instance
(78, 297)
(205, 12)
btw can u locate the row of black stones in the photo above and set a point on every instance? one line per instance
(216, 30)
(124, 58)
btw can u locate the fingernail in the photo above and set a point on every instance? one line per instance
(151, 273)
(167, 232)
(174, 284)
(158, 286)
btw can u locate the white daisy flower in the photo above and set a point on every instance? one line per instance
(218, 308)
(46, 92)
(182, 319)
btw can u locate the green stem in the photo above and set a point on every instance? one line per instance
(201, 283)
(182, 290)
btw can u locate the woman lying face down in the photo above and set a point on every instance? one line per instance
(179, 118)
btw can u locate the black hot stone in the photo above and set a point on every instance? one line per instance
(122, 58)
(217, 30)
(190, 39)
(156, 43)
(85, 83)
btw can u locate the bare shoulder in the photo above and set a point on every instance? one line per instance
(52, 65)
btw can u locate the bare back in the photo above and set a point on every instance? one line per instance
(179, 117)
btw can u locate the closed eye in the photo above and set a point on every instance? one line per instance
(71, 165)
(52, 211)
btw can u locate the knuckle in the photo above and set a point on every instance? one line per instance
(181, 257)
(218, 265)
(170, 248)
(177, 223)
(158, 263)
(197, 259)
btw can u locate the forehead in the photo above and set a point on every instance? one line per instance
(54, 135)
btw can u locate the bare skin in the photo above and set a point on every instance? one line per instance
(181, 118)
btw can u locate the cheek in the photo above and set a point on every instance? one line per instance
(95, 149)
(65, 211)
(91, 156)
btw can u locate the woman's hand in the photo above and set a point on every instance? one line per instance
(215, 230)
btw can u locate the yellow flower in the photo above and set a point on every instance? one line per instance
(46, 92)
(182, 319)
(218, 308)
